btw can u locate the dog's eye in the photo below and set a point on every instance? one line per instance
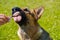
(29, 13)
(26, 9)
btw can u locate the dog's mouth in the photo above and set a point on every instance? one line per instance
(17, 17)
(20, 17)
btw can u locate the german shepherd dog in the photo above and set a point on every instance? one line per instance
(29, 29)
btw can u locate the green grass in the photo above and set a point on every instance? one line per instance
(50, 19)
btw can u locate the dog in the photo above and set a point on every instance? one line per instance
(29, 29)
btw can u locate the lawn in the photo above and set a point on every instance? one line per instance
(50, 19)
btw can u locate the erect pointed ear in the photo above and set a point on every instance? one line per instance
(38, 12)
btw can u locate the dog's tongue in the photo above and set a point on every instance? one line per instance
(17, 19)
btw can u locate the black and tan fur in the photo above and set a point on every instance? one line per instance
(29, 29)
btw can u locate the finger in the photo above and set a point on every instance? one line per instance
(5, 18)
(1, 14)
(1, 21)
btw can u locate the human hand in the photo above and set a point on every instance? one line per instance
(3, 19)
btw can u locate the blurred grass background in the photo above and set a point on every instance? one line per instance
(50, 19)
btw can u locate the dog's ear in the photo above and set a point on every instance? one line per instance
(38, 12)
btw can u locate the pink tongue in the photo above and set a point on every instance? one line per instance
(17, 19)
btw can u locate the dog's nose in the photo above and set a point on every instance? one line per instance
(15, 9)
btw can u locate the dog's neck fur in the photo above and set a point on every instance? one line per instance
(31, 31)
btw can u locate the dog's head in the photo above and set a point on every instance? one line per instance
(26, 16)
